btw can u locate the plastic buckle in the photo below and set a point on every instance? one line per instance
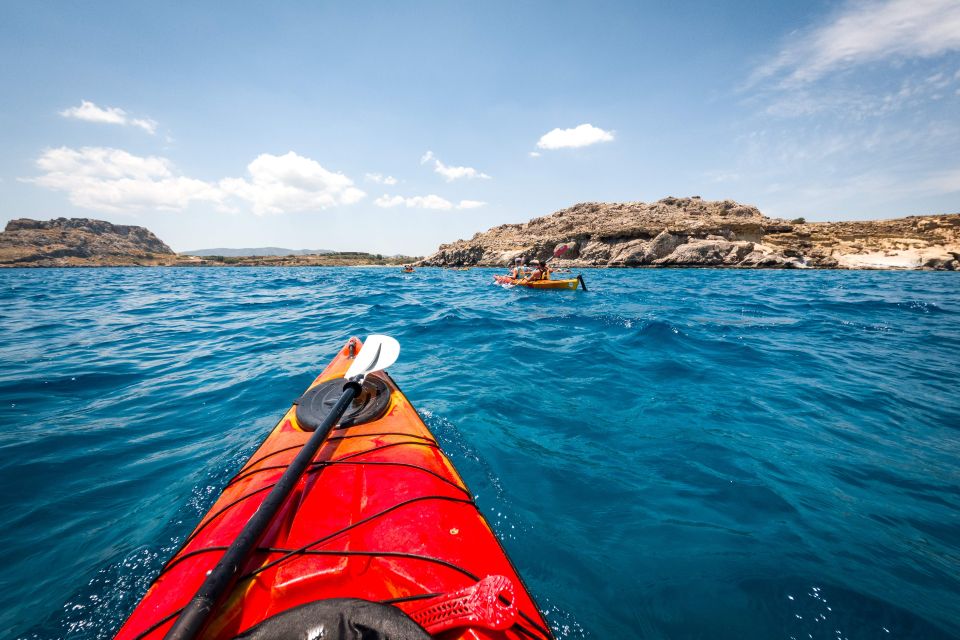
(488, 604)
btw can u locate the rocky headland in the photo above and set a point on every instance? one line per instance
(82, 242)
(691, 232)
(67, 242)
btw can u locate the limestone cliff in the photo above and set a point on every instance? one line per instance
(691, 232)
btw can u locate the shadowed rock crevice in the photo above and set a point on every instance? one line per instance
(691, 232)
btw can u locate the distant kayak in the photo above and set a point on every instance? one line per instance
(569, 285)
(381, 534)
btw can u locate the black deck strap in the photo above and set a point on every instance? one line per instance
(534, 623)
(186, 556)
(381, 433)
(527, 633)
(355, 454)
(177, 558)
(375, 554)
(338, 619)
(320, 464)
(288, 553)
(294, 552)
(407, 465)
(358, 523)
(249, 470)
(203, 525)
(253, 472)
(414, 598)
(156, 625)
(252, 463)
(316, 466)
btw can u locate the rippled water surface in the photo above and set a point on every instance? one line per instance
(673, 454)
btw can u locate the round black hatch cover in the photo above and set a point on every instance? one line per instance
(314, 405)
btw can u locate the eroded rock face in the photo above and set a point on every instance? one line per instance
(691, 232)
(79, 241)
(662, 246)
(708, 253)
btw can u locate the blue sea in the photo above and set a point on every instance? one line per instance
(672, 454)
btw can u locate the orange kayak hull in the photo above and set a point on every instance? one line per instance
(382, 515)
(568, 285)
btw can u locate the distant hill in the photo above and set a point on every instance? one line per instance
(257, 252)
(82, 242)
(66, 242)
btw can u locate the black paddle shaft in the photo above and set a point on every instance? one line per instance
(194, 616)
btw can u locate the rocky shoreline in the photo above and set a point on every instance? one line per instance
(691, 232)
(672, 232)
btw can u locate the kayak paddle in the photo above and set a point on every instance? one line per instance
(378, 352)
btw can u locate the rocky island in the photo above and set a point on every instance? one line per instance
(67, 242)
(692, 232)
(82, 242)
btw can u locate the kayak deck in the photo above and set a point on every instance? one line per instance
(381, 515)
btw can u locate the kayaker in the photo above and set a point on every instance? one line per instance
(517, 273)
(539, 272)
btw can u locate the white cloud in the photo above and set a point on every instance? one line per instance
(291, 182)
(455, 173)
(114, 180)
(452, 173)
(863, 32)
(534, 154)
(379, 178)
(415, 202)
(429, 202)
(388, 202)
(90, 112)
(147, 124)
(580, 136)
(425, 202)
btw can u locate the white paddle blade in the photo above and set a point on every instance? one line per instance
(378, 352)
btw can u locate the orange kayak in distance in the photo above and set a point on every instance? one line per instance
(380, 530)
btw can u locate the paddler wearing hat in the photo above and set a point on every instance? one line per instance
(540, 272)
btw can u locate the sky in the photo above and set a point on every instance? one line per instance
(393, 127)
